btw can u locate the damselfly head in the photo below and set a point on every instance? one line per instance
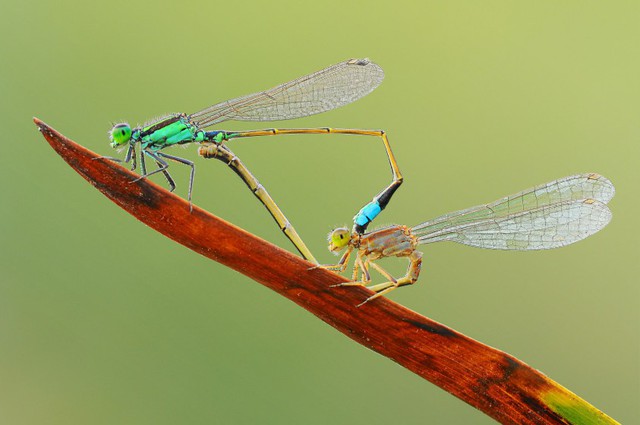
(339, 239)
(120, 134)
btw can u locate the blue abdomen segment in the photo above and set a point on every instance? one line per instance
(366, 215)
(370, 211)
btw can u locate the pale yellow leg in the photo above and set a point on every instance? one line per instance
(413, 271)
(366, 276)
(358, 265)
(382, 271)
(385, 288)
(340, 266)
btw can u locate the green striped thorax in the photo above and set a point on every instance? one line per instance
(175, 129)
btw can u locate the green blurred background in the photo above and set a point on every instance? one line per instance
(104, 321)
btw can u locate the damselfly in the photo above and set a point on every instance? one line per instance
(548, 216)
(321, 91)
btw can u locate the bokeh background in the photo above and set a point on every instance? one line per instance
(105, 321)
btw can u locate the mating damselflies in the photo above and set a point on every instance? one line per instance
(548, 216)
(324, 90)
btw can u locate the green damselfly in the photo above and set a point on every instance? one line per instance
(324, 90)
(548, 216)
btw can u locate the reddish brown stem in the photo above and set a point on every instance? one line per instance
(494, 382)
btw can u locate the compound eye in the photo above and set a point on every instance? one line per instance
(339, 239)
(120, 134)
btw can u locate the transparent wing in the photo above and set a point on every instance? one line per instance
(547, 216)
(321, 91)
